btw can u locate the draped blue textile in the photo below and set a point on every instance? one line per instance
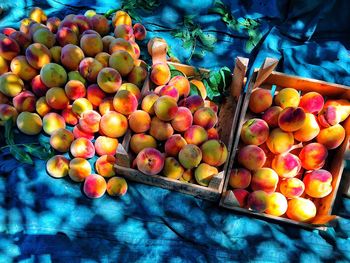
(49, 220)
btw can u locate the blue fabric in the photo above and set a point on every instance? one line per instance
(47, 220)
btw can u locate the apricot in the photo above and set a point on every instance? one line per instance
(196, 135)
(150, 161)
(137, 75)
(125, 102)
(52, 122)
(312, 102)
(81, 105)
(117, 186)
(309, 130)
(124, 31)
(301, 209)
(286, 165)
(276, 204)
(193, 103)
(132, 88)
(251, 157)
(53, 75)
(61, 139)
(113, 124)
(257, 201)
(7, 112)
(44, 36)
(89, 69)
(82, 148)
(94, 186)
(29, 123)
(313, 156)
(66, 36)
(106, 41)
(57, 99)
(105, 145)
(331, 137)
(264, 179)
(287, 97)
(279, 141)
(147, 103)
(55, 52)
(205, 117)
(241, 197)
(90, 13)
(38, 87)
(9, 48)
(53, 23)
(182, 120)
(25, 24)
(121, 18)
(89, 121)
(10, 84)
(292, 187)
(139, 121)
(121, 44)
(190, 156)
(22, 39)
(69, 116)
(100, 24)
(240, 178)
(318, 183)
(160, 130)
(260, 100)
(71, 56)
(95, 95)
(79, 133)
(187, 176)
(165, 108)
(109, 80)
(106, 105)
(4, 67)
(254, 131)
(79, 169)
(103, 58)
(140, 141)
(204, 173)
(57, 166)
(38, 15)
(174, 144)
(21, 68)
(24, 101)
(333, 114)
(139, 31)
(160, 74)
(91, 44)
(75, 89)
(169, 91)
(214, 152)
(182, 85)
(291, 119)
(172, 168)
(105, 165)
(82, 22)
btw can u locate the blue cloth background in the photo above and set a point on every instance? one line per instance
(48, 220)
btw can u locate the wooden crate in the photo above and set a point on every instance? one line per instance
(227, 117)
(266, 78)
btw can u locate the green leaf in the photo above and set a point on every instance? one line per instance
(194, 90)
(174, 72)
(217, 10)
(20, 155)
(188, 44)
(39, 152)
(208, 39)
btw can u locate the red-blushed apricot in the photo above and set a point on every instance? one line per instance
(139, 31)
(137, 76)
(124, 31)
(190, 156)
(182, 120)
(160, 130)
(279, 141)
(287, 97)
(21, 68)
(89, 121)
(79, 169)
(212, 105)
(82, 148)
(66, 36)
(318, 183)
(4, 67)
(57, 166)
(105, 165)
(41, 106)
(106, 41)
(106, 105)
(8, 30)
(94, 186)
(55, 52)
(9, 48)
(140, 141)
(204, 173)
(301, 209)
(100, 24)
(196, 135)
(103, 58)
(79, 133)
(117, 186)
(38, 15)
(260, 100)
(241, 197)
(276, 204)
(69, 116)
(187, 176)
(309, 130)
(193, 103)
(331, 137)
(109, 80)
(105, 145)
(286, 165)
(52, 122)
(24, 101)
(257, 201)
(147, 103)
(165, 108)
(75, 89)
(312, 102)
(251, 157)
(264, 179)
(150, 161)
(71, 56)
(205, 117)
(44, 36)
(291, 119)
(214, 152)
(61, 140)
(81, 105)
(113, 124)
(53, 75)
(174, 144)
(7, 112)
(38, 87)
(69, 23)
(137, 50)
(313, 156)
(169, 91)
(53, 23)
(240, 178)
(125, 102)
(292, 187)
(95, 95)
(89, 69)
(38, 55)
(172, 168)
(254, 131)
(181, 83)
(160, 74)
(10, 84)
(121, 44)
(57, 99)
(29, 123)
(25, 24)
(89, 32)
(132, 88)
(139, 121)
(91, 44)
(121, 18)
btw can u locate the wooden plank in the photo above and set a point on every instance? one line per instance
(238, 77)
(159, 50)
(265, 70)
(189, 70)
